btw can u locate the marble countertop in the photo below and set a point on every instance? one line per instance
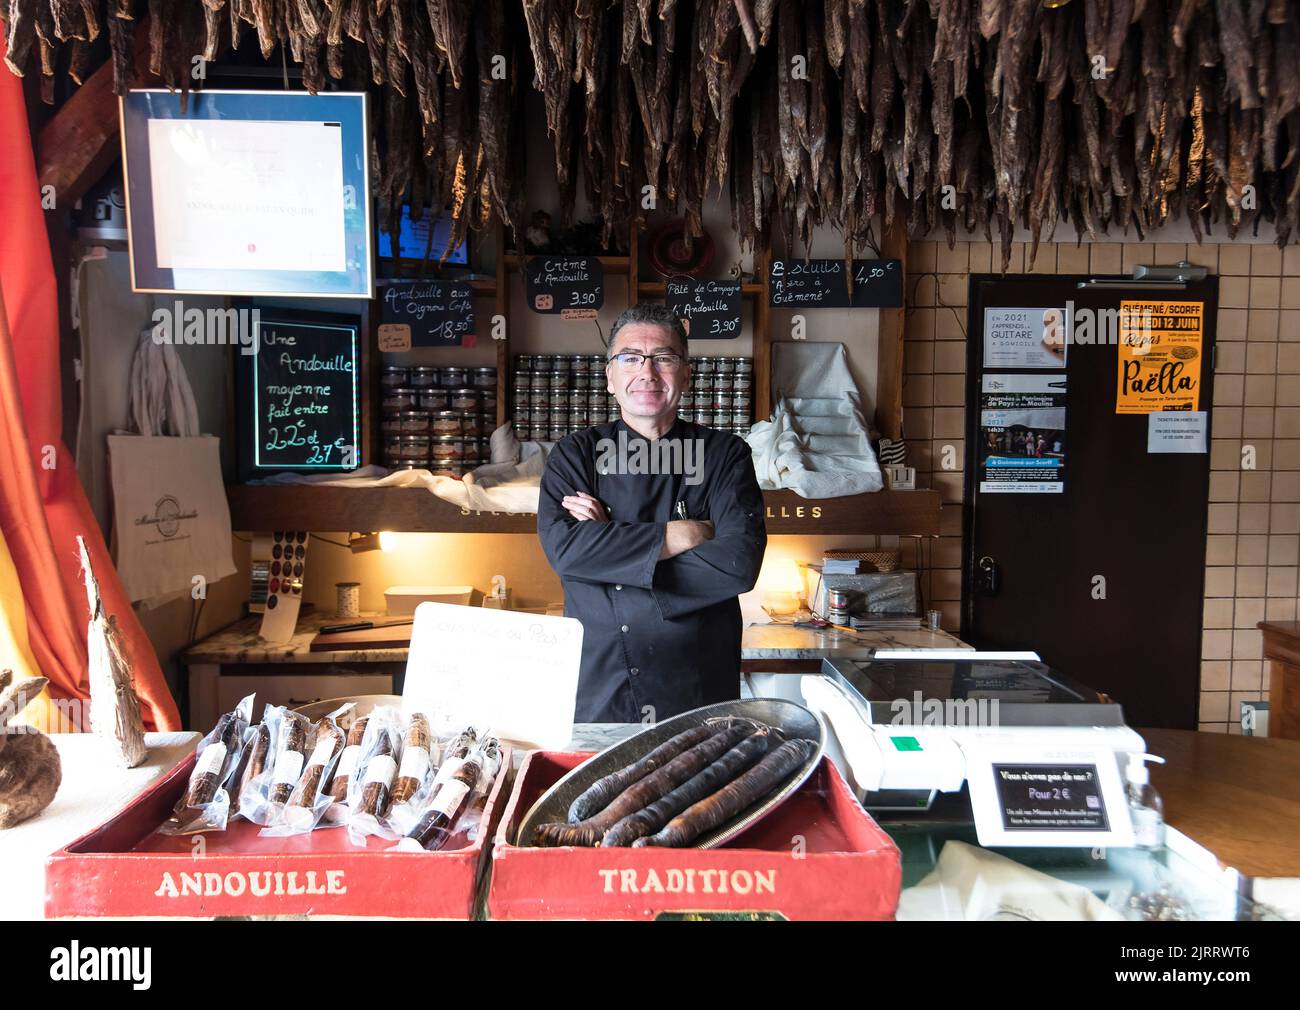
(241, 643)
(599, 735)
(783, 641)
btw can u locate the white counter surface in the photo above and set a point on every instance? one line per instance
(93, 790)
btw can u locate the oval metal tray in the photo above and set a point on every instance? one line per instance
(793, 720)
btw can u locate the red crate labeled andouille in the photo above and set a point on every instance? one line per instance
(818, 855)
(125, 869)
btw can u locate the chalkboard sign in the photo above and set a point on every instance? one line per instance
(1050, 797)
(710, 309)
(559, 284)
(821, 284)
(436, 313)
(300, 394)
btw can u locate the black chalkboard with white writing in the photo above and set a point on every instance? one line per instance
(822, 284)
(300, 396)
(1050, 797)
(439, 313)
(560, 284)
(711, 309)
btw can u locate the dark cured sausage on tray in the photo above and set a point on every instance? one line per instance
(650, 819)
(650, 788)
(734, 798)
(604, 791)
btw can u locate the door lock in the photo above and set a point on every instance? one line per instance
(988, 577)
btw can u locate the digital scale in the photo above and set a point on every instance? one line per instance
(1043, 756)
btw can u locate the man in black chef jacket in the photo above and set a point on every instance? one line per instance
(655, 526)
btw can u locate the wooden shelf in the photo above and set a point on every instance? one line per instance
(883, 513)
(361, 510)
(400, 509)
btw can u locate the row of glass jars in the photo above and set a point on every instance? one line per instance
(541, 383)
(437, 422)
(596, 401)
(554, 430)
(428, 447)
(585, 417)
(589, 363)
(464, 399)
(444, 468)
(432, 377)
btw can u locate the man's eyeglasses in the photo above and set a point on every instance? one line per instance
(666, 361)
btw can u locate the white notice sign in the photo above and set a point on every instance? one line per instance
(500, 671)
(1176, 431)
(1025, 338)
(226, 198)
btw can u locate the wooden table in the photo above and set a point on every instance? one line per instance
(1237, 796)
(1282, 650)
(236, 661)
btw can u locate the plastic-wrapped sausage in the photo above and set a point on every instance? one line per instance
(214, 760)
(290, 757)
(472, 778)
(381, 769)
(348, 761)
(417, 758)
(300, 812)
(205, 804)
(257, 750)
(461, 744)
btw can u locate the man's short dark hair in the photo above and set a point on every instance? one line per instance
(655, 315)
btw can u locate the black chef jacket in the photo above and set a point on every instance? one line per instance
(659, 637)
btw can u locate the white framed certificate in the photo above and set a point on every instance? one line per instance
(248, 193)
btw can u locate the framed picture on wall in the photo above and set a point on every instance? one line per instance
(248, 193)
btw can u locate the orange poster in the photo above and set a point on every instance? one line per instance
(1160, 346)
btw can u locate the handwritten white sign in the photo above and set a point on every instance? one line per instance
(510, 673)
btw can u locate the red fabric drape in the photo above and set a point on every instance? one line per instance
(42, 510)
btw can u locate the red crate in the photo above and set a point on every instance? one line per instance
(845, 867)
(124, 869)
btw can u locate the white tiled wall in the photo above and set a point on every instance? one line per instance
(1254, 520)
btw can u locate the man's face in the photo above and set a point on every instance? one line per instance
(651, 389)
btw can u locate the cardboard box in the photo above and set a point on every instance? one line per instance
(817, 856)
(124, 869)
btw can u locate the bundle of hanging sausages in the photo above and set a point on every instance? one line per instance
(682, 789)
(947, 113)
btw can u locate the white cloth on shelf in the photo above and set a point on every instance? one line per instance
(512, 482)
(816, 442)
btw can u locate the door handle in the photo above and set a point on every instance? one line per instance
(988, 576)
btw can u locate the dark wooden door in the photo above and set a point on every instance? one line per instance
(1105, 579)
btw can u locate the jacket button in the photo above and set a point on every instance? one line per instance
(624, 629)
(634, 671)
